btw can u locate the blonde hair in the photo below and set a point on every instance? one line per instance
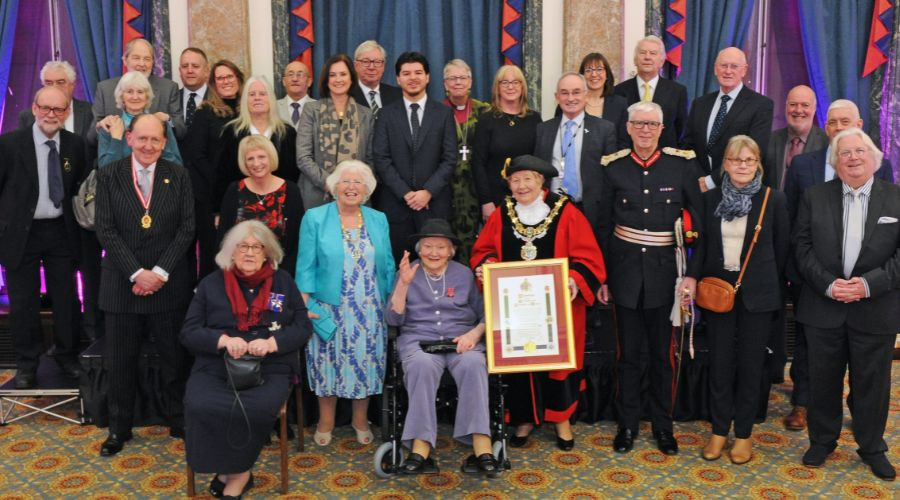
(253, 143)
(236, 235)
(739, 142)
(242, 122)
(459, 64)
(345, 166)
(133, 79)
(495, 89)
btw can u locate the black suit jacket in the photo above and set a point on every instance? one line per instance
(403, 166)
(599, 139)
(672, 98)
(774, 154)
(750, 114)
(761, 287)
(818, 243)
(81, 110)
(19, 189)
(389, 95)
(129, 247)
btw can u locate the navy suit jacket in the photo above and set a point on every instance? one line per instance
(403, 166)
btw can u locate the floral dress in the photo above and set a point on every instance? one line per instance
(351, 364)
(268, 209)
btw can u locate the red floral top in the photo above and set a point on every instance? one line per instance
(267, 208)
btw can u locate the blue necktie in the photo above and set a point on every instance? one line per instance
(570, 175)
(54, 175)
(718, 124)
(295, 116)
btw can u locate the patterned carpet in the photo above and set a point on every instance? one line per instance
(46, 458)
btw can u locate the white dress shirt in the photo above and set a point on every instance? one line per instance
(136, 167)
(420, 111)
(186, 96)
(640, 84)
(365, 93)
(710, 184)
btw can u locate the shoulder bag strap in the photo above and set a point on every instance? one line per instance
(756, 231)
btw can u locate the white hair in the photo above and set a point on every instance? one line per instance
(367, 46)
(843, 134)
(130, 46)
(133, 79)
(238, 233)
(357, 166)
(63, 66)
(843, 104)
(645, 107)
(652, 39)
(459, 64)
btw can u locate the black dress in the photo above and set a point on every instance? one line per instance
(216, 436)
(499, 136)
(281, 211)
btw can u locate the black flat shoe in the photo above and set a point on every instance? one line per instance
(484, 464)
(565, 444)
(624, 441)
(216, 487)
(114, 443)
(518, 441)
(417, 464)
(25, 379)
(816, 454)
(666, 442)
(247, 488)
(881, 467)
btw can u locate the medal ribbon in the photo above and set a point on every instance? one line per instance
(137, 189)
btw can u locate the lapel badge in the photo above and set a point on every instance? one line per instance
(166, 181)
(66, 165)
(274, 327)
(276, 302)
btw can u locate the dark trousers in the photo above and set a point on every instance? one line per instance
(202, 255)
(800, 362)
(634, 328)
(47, 243)
(869, 358)
(124, 337)
(91, 253)
(737, 351)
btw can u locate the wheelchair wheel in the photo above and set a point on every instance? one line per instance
(383, 461)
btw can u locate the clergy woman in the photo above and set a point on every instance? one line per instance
(559, 230)
(248, 307)
(466, 210)
(435, 300)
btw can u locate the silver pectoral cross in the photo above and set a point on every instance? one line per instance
(464, 151)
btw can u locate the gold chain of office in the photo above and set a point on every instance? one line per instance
(540, 229)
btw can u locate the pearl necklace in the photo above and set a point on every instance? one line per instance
(442, 278)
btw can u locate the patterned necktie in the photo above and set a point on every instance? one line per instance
(144, 182)
(54, 175)
(796, 148)
(718, 124)
(570, 176)
(646, 97)
(414, 122)
(373, 103)
(191, 109)
(295, 116)
(854, 233)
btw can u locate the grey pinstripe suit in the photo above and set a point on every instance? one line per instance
(129, 248)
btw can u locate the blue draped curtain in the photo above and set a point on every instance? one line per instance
(97, 30)
(835, 34)
(465, 29)
(9, 12)
(711, 27)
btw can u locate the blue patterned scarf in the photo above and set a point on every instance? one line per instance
(736, 201)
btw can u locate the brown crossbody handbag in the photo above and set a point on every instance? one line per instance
(717, 295)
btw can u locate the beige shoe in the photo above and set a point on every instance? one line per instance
(322, 438)
(741, 451)
(363, 437)
(713, 449)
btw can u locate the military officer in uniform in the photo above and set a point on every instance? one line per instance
(643, 192)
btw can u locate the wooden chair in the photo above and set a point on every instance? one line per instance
(282, 442)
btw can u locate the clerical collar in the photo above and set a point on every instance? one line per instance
(534, 212)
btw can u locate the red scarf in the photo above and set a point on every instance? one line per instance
(246, 319)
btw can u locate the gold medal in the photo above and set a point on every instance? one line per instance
(529, 251)
(146, 221)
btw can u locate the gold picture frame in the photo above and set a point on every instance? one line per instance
(528, 316)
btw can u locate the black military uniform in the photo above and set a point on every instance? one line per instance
(640, 201)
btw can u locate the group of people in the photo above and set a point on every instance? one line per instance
(297, 222)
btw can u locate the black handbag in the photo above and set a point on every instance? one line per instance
(437, 346)
(244, 372)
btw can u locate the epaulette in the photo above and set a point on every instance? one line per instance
(607, 159)
(687, 154)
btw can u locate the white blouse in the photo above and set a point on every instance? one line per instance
(733, 242)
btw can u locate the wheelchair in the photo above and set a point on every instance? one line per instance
(390, 454)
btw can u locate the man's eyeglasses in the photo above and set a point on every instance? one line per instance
(847, 153)
(46, 110)
(644, 123)
(371, 63)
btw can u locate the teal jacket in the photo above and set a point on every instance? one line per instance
(320, 263)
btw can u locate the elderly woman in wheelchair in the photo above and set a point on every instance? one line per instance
(440, 314)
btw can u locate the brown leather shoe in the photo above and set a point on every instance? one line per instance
(796, 421)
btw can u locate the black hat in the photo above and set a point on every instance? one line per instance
(436, 228)
(529, 162)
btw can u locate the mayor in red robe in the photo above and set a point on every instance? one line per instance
(560, 231)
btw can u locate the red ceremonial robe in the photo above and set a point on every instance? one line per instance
(551, 396)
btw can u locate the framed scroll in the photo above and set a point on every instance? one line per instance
(528, 316)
